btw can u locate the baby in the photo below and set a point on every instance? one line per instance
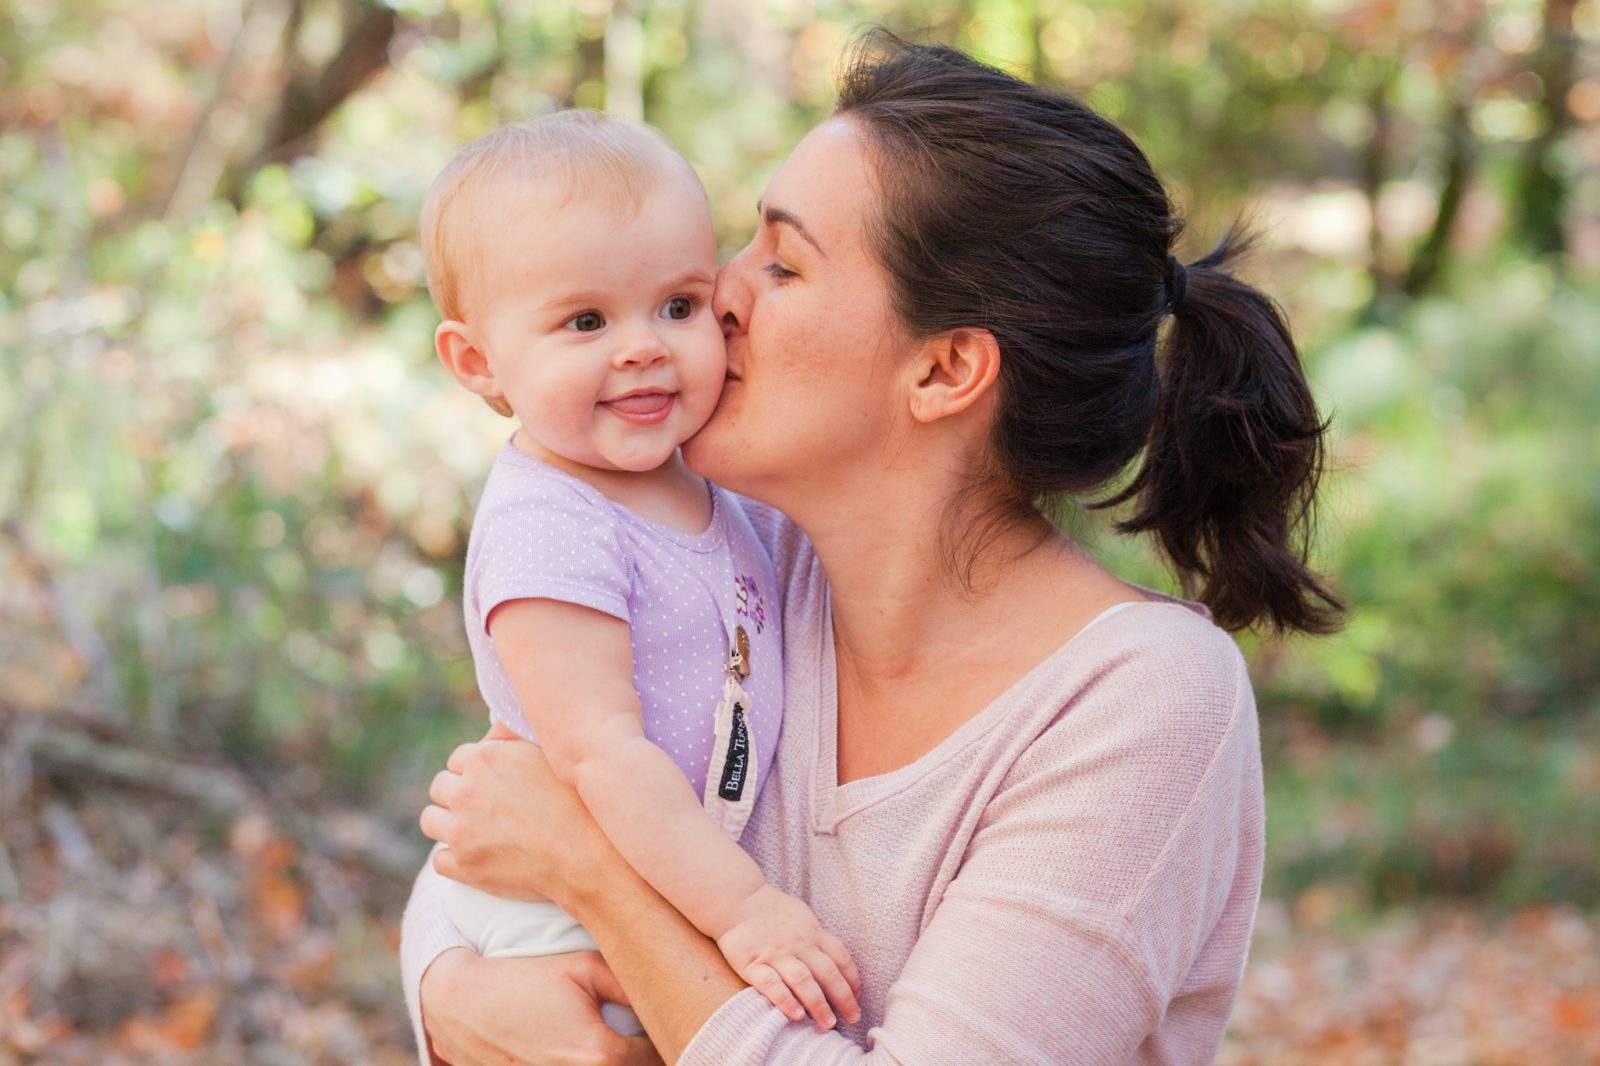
(618, 606)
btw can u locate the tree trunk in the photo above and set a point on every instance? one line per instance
(1461, 155)
(1374, 172)
(1542, 187)
(310, 99)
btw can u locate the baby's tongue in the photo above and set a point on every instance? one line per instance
(641, 405)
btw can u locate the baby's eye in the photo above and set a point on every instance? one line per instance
(778, 272)
(587, 321)
(678, 308)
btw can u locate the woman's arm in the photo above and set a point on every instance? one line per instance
(675, 976)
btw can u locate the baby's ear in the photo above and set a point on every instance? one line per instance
(467, 363)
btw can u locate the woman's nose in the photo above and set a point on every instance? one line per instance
(730, 300)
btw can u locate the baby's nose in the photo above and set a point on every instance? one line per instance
(646, 349)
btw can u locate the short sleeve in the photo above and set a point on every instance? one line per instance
(537, 536)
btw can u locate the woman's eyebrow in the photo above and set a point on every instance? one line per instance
(774, 216)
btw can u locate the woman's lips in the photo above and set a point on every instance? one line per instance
(643, 408)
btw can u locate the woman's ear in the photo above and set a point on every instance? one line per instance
(466, 361)
(954, 371)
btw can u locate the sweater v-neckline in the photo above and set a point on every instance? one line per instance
(832, 802)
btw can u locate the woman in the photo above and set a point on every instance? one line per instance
(1025, 793)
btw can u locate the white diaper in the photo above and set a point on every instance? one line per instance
(505, 929)
(511, 929)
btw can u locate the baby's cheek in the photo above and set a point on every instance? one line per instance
(717, 350)
(711, 367)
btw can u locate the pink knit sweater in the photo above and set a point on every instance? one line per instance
(1070, 877)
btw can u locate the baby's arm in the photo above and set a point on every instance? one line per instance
(571, 668)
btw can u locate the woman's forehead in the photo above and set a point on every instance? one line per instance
(824, 183)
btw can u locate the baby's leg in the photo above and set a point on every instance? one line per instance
(504, 928)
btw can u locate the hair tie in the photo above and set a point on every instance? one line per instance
(1176, 283)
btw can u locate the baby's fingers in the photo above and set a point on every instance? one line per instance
(834, 983)
(765, 979)
(798, 977)
(841, 958)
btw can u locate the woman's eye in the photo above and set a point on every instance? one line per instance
(587, 321)
(778, 272)
(678, 308)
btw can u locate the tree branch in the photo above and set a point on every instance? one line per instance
(305, 104)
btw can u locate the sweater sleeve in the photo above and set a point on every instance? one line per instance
(1088, 909)
(426, 932)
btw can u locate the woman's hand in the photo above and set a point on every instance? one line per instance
(510, 827)
(542, 1011)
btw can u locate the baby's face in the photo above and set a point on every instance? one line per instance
(596, 320)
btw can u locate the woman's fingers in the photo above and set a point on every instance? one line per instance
(798, 977)
(457, 763)
(593, 974)
(834, 985)
(444, 788)
(444, 861)
(437, 823)
(766, 981)
(523, 1010)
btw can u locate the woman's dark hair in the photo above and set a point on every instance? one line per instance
(1019, 210)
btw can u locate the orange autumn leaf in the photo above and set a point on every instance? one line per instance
(278, 853)
(188, 1021)
(279, 905)
(182, 1026)
(1576, 1012)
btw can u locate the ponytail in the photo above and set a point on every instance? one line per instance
(1235, 454)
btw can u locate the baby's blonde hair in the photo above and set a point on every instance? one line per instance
(579, 148)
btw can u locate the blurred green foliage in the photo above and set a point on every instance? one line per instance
(234, 486)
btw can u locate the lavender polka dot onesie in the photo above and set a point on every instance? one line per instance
(540, 533)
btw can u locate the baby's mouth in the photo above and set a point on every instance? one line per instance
(642, 405)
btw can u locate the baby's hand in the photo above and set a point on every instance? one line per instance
(777, 945)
